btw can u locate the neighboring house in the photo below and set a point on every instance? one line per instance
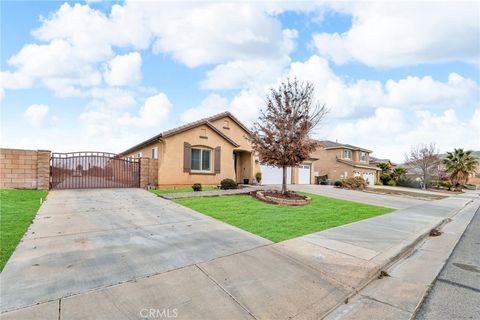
(209, 150)
(375, 161)
(337, 161)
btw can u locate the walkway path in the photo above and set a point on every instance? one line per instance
(384, 200)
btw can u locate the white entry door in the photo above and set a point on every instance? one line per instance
(273, 175)
(304, 174)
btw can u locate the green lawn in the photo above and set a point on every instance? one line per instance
(179, 190)
(17, 210)
(278, 223)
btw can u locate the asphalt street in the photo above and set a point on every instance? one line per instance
(456, 292)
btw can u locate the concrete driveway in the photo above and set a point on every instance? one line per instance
(86, 239)
(384, 200)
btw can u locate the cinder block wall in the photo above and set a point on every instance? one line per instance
(24, 169)
(148, 172)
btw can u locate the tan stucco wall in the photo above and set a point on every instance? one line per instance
(146, 151)
(171, 158)
(235, 132)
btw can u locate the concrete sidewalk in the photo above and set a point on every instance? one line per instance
(399, 294)
(302, 278)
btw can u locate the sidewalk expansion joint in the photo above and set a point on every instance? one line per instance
(224, 290)
(59, 308)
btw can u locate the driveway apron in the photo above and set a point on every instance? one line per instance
(86, 239)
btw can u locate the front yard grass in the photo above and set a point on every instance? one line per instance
(278, 223)
(17, 210)
(179, 190)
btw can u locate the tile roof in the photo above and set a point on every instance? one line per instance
(357, 164)
(334, 145)
(185, 127)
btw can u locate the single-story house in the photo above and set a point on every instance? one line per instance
(209, 150)
(337, 161)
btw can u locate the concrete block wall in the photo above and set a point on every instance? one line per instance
(24, 169)
(148, 172)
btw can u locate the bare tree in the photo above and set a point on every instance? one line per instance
(281, 134)
(425, 160)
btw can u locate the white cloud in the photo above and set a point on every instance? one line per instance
(124, 70)
(244, 74)
(77, 40)
(417, 92)
(408, 33)
(344, 97)
(215, 32)
(211, 105)
(57, 65)
(113, 98)
(154, 112)
(389, 133)
(347, 98)
(35, 114)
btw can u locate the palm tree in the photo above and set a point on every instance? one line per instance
(385, 175)
(398, 173)
(460, 164)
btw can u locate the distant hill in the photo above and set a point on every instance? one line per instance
(476, 154)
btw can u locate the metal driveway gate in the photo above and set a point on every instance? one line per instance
(84, 170)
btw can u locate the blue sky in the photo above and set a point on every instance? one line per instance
(106, 75)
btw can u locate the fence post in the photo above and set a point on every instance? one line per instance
(144, 171)
(43, 169)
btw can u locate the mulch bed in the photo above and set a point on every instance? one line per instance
(276, 197)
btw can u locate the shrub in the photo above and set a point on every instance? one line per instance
(258, 176)
(446, 184)
(323, 182)
(226, 184)
(337, 183)
(378, 183)
(354, 183)
(409, 183)
(197, 187)
(391, 183)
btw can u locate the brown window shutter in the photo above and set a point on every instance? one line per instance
(218, 151)
(187, 156)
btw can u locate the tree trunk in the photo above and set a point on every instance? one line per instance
(284, 180)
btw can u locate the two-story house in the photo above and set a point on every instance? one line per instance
(339, 161)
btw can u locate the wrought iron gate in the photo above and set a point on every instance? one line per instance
(84, 170)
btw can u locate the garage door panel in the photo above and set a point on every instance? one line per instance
(273, 175)
(304, 174)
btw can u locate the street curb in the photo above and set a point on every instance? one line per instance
(400, 251)
(430, 285)
(392, 255)
(404, 250)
